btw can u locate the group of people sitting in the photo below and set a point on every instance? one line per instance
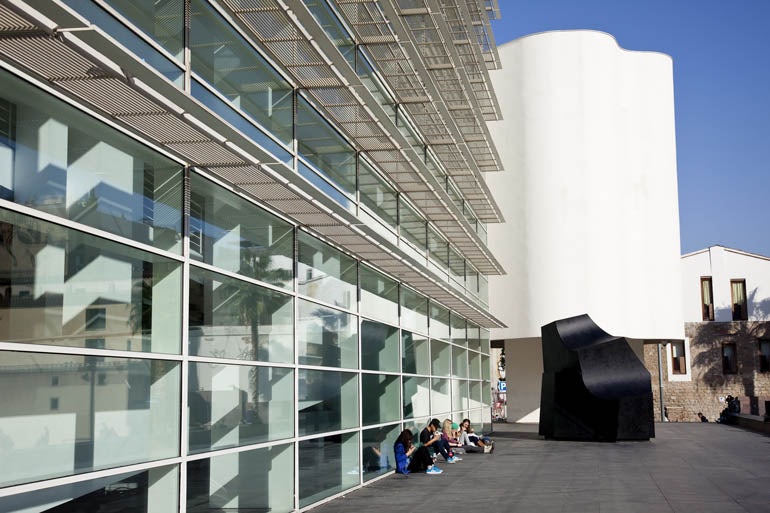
(447, 440)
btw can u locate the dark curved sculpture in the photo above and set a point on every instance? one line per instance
(594, 386)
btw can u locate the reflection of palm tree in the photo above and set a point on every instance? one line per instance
(255, 305)
(254, 302)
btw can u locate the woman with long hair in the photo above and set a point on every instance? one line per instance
(410, 458)
(472, 442)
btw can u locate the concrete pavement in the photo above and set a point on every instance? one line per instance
(687, 468)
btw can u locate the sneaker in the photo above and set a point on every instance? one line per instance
(434, 470)
(452, 459)
(487, 449)
(457, 458)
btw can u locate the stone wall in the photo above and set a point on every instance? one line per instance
(684, 399)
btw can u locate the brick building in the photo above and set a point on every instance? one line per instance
(726, 350)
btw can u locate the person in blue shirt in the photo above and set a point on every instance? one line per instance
(410, 458)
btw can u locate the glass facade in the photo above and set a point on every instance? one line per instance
(154, 317)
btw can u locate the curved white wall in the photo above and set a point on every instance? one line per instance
(589, 191)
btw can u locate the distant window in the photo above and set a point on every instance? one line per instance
(54, 403)
(729, 360)
(764, 355)
(96, 319)
(54, 381)
(678, 358)
(707, 298)
(738, 292)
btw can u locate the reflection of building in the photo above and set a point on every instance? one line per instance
(726, 350)
(241, 248)
(589, 197)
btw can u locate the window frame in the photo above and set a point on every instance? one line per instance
(763, 358)
(729, 367)
(743, 313)
(707, 309)
(679, 364)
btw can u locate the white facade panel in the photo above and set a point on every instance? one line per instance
(589, 191)
(723, 265)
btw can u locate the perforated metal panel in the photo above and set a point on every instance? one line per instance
(78, 71)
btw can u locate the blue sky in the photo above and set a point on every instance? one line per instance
(721, 53)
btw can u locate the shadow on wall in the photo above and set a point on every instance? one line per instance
(759, 310)
(710, 363)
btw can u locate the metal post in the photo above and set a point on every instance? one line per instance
(660, 384)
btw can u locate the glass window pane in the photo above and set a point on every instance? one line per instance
(439, 321)
(474, 340)
(459, 332)
(379, 347)
(380, 398)
(438, 247)
(258, 480)
(325, 273)
(377, 194)
(333, 28)
(439, 398)
(413, 226)
(483, 289)
(454, 196)
(68, 164)
(154, 491)
(379, 295)
(141, 49)
(485, 370)
(234, 319)
(456, 266)
(475, 395)
(234, 405)
(327, 466)
(373, 83)
(416, 353)
(476, 418)
(108, 412)
(326, 336)
(328, 401)
(471, 281)
(474, 365)
(486, 395)
(377, 454)
(459, 362)
(241, 121)
(414, 310)
(484, 335)
(459, 395)
(235, 235)
(325, 148)
(162, 21)
(67, 288)
(409, 131)
(235, 69)
(441, 356)
(416, 397)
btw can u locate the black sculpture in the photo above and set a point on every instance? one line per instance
(594, 386)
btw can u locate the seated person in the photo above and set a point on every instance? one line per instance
(431, 437)
(449, 433)
(412, 459)
(472, 442)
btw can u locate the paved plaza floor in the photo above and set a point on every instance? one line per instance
(687, 468)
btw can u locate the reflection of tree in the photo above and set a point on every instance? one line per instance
(256, 306)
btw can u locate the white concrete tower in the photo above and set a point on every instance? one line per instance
(589, 194)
